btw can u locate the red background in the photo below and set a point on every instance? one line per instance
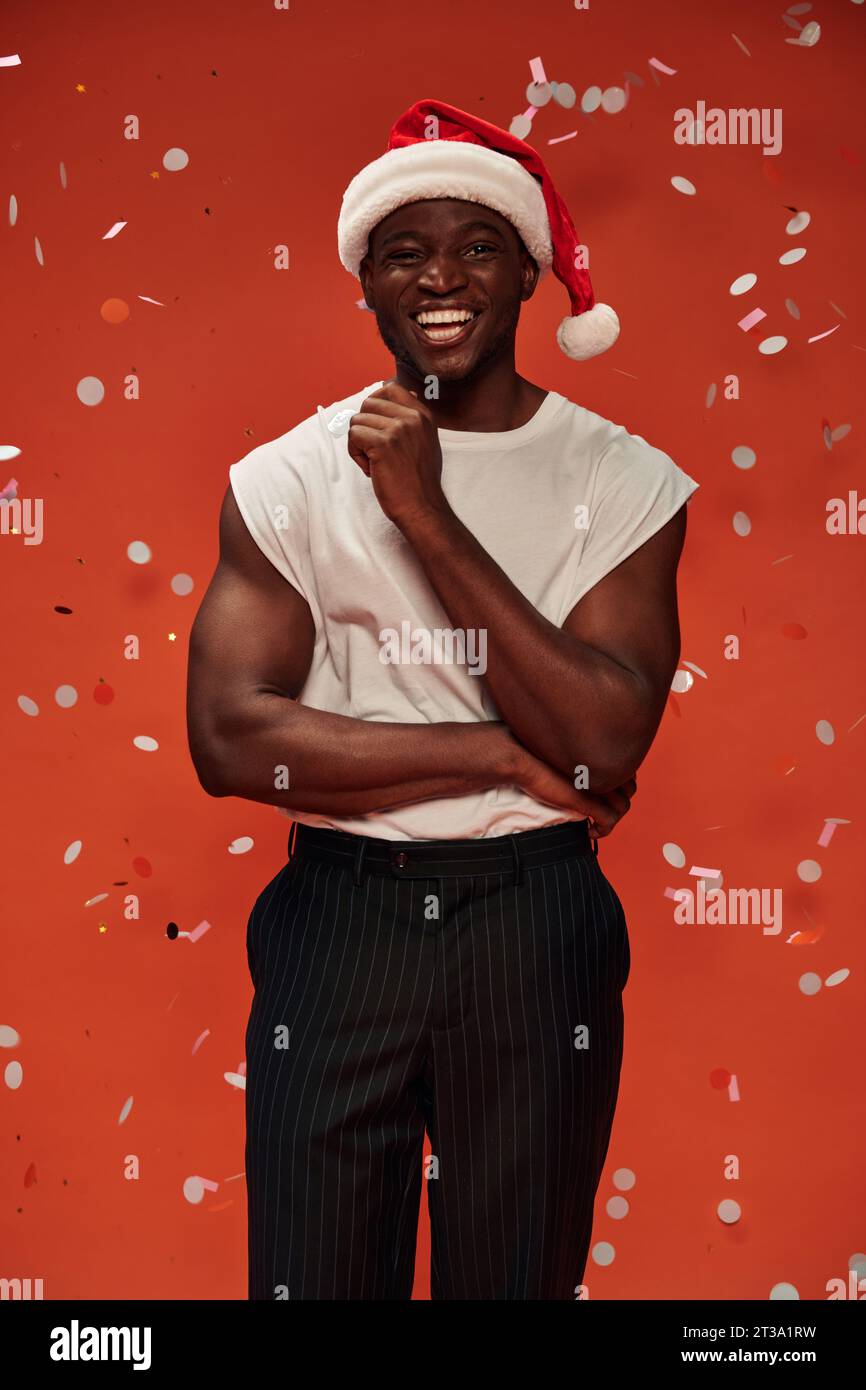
(277, 111)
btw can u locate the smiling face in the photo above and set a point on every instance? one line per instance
(446, 279)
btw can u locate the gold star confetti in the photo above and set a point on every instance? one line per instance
(154, 173)
(81, 87)
(103, 928)
(172, 637)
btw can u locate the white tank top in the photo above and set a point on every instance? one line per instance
(558, 503)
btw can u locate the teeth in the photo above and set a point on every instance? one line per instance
(445, 316)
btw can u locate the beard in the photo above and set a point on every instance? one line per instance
(501, 343)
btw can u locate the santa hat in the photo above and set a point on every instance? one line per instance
(476, 161)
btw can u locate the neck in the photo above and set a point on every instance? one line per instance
(494, 398)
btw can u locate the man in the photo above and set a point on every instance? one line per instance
(440, 636)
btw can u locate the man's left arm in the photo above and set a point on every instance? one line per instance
(590, 693)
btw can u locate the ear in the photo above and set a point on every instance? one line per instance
(365, 275)
(528, 275)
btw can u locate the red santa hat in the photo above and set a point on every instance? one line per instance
(436, 151)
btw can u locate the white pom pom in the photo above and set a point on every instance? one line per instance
(586, 335)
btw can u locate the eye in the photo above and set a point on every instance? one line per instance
(484, 245)
(399, 255)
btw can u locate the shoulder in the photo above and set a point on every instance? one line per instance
(623, 460)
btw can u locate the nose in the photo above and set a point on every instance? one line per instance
(443, 272)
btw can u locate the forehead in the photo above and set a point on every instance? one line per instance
(440, 217)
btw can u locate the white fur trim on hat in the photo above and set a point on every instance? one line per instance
(443, 169)
(587, 334)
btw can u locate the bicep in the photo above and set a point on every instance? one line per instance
(631, 614)
(253, 632)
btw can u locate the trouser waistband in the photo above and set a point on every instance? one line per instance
(526, 849)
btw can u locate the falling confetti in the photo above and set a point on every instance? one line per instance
(242, 845)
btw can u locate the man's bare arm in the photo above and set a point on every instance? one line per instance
(250, 651)
(589, 693)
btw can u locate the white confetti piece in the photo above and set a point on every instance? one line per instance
(743, 456)
(145, 743)
(175, 159)
(139, 552)
(100, 897)
(825, 732)
(617, 1208)
(66, 696)
(90, 390)
(809, 870)
(147, 300)
(729, 1211)
(793, 256)
(591, 100)
(124, 1110)
(28, 706)
(624, 1179)
(683, 185)
(113, 230)
(242, 845)
(613, 100)
(72, 851)
(743, 283)
(682, 681)
(697, 670)
(193, 1190)
(12, 60)
(13, 1075)
(809, 983)
(182, 584)
(741, 524)
(781, 1293)
(8, 451)
(234, 1078)
(674, 855)
(769, 346)
(798, 223)
(603, 1253)
(836, 978)
(8, 1036)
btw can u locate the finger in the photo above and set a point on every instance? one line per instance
(366, 439)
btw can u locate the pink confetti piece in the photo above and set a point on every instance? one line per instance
(530, 112)
(112, 231)
(208, 1185)
(10, 490)
(147, 299)
(697, 872)
(751, 319)
(536, 67)
(242, 1068)
(362, 304)
(198, 931)
(741, 44)
(12, 60)
(818, 336)
(662, 67)
(673, 893)
(826, 834)
(733, 1089)
(558, 139)
(199, 1040)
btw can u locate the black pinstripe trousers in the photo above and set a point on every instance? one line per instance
(469, 988)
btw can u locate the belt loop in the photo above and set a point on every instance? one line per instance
(593, 840)
(518, 863)
(362, 845)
